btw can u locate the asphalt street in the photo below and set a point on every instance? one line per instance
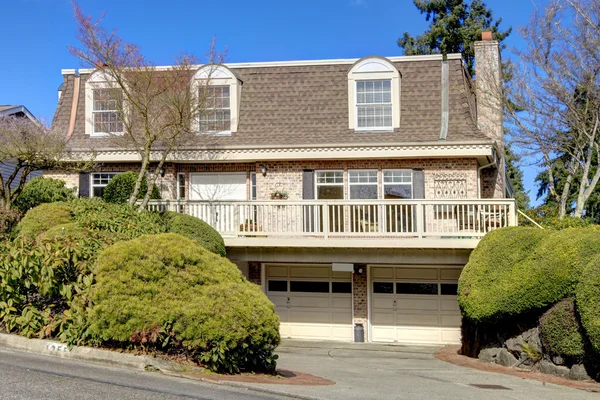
(26, 376)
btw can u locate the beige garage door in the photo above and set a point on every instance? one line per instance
(313, 302)
(415, 305)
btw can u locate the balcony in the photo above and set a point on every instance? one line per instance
(350, 223)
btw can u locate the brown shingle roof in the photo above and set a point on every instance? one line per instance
(297, 105)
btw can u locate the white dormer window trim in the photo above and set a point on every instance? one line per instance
(382, 74)
(219, 75)
(98, 80)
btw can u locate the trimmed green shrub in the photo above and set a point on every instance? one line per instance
(518, 270)
(44, 217)
(122, 220)
(43, 190)
(560, 331)
(195, 229)
(121, 186)
(588, 302)
(71, 230)
(8, 220)
(166, 292)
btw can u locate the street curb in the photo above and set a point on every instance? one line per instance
(114, 359)
(99, 356)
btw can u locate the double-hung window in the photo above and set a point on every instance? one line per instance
(106, 111)
(216, 117)
(362, 184)
(374, 105)
(99, 182)
(330, 185)
(397, 184)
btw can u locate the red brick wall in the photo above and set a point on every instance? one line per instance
(359, 299)
(254, 272)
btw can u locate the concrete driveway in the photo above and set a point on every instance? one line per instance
(371, 371)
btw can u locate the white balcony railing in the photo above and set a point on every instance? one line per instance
(350, 218)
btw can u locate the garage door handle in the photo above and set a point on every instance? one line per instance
(395, 305)
(288, 304)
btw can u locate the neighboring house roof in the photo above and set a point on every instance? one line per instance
(306, 103)
(7, 168)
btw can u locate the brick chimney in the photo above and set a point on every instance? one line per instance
(488, 93)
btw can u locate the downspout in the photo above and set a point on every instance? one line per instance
(494, 162)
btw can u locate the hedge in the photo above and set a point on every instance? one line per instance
(121, 186)
(560, 331)
(43, 190)
(166, 292)
(195, 229)
(44, 217)
(588, 302)
(519, 270)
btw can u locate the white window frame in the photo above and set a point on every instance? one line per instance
(219, 75)
(253, 185)
(350, 183)
(317, 184)
(180, 186)
(373, 69)
(93, 185)
(383, 182)
(98, 80)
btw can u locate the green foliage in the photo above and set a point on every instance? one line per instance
(515, 175)
(71, 230)
(122, 220)
(455, 25)
(560, 331)
(42, 190)
(166, 292)
(588, 302)
(8, 220)
(518, 270)
(120, 188)
(195, 229)
(40, 280)
(44, 217)
(547, 216)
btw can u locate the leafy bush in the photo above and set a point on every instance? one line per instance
(195, 229)
(71, 230)
(8, 220)
(43, 190)
(122, 220)
(519, 270)
(121, 186)
(560, 331)
(588, 302)
(44, 217)
(547, 216)
(168, 293)
(40, 279)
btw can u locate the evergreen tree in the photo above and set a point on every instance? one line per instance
(455, 25)
(515, 176)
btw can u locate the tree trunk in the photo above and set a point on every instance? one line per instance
(141, 175)
(151, 184)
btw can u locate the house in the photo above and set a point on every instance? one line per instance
(352, 191)
(7, 168)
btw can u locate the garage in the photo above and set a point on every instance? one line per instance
(312, 301)
(415, 305)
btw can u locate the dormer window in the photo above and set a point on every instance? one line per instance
(106, 111)
(103, 106)
(217, 115)
(219, 93)
(373, 96)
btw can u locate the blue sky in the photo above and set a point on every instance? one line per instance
(36, 34)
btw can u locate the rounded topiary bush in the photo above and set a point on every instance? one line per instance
(43, 217)
(560, 331)
(588, 302)
(121, 186)
(195, 229)
(169, 293)
(514, 271)
(43, 190)
(72, 230)
(122, 220)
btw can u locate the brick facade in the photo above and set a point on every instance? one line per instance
(360, 312)
(254, 273)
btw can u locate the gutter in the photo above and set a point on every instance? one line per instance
(494, 162)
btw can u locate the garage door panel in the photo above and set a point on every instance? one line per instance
(451, 321)
(408, 303)
(279, 301)
(309, 272)
(417, 273)
(418, 319)
(340, 275)
(277, 271)
(341, 317)
(341, 302)
(310, 316)
(417, 310)
(450, 304)
(342, 332)
(310, 301)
